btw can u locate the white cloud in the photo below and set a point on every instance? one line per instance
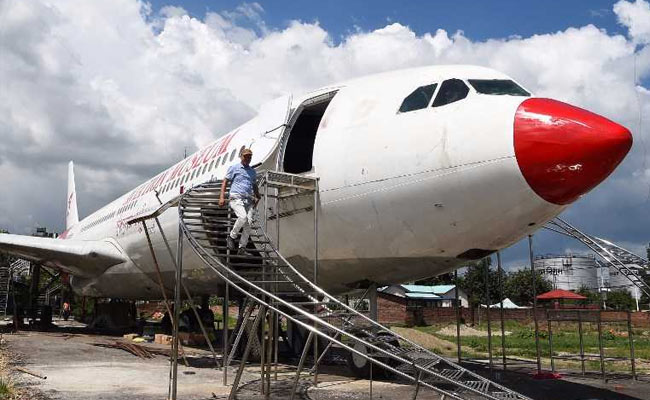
(636, 17)
(122, 91)
(172, 11)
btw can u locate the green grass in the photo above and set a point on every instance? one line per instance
(232, 321)
(6, 389)
(565, 337)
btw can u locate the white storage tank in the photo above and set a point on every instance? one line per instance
(570, 271)
(618, 281)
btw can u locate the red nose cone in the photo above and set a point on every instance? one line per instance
(564, 151)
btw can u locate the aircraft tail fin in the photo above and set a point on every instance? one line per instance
(71, 214)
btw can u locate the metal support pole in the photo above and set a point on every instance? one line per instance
(534, 284)
(263, 330)
(458, 311)
(503, 329)
(631, 339)
(277, 245)
(370, 381)
(266, 204)
(417, 384)
(269, 352)
(550, 341)
(601, 352)
(224, 360)
(487, 311)
(372, 299)
(316, 209)
(17, 319)
(315, 367)
(301, 363)
(240, 370)
(582, 346)
(262, 354)
(240, 332)
(276, 339)
(185, 289)
(177, 307)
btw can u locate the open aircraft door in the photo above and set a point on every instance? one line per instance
(269, 126)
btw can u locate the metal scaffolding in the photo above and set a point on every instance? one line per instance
(614, 256)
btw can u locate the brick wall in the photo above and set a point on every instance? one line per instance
(641, 319)
(393, 310)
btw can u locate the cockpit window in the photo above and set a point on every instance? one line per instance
(450, 91)
(418, 99)
(497, 87)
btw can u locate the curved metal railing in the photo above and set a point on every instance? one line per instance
(445, 372)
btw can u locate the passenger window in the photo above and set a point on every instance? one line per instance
(450, 91)
(225, 157)
(211, 165)
(418, 99)
(242, 149)
(232, 155)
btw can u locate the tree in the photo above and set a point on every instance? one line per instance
(444, 279)
(519, 286)
(620, 300)
(592, 296)
(473, 283)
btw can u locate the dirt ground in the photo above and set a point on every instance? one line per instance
(76, 368)
(426, 340)
(465, 330)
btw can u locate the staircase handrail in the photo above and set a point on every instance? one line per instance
(320, 321)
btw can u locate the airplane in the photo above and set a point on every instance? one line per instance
(420, 170)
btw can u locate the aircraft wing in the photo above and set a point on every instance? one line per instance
(84, 258)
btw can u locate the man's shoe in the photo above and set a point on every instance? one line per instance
(231, 243)
(242, 252)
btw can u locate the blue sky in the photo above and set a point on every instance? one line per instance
(480, 20)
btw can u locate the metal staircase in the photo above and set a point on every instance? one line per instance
(20, 267)
(17, 268)
(269, 280)
(5, 277)
(50, 292)
(614, 256)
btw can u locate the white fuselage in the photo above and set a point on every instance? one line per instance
(402, 195)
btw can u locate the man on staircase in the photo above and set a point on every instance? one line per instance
(243, 197)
